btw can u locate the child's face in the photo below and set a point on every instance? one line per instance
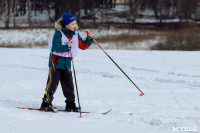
(71, 26)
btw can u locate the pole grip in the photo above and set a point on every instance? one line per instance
(87, 32)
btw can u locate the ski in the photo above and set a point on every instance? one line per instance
(103, 113)
(62, 110)
(35, 109)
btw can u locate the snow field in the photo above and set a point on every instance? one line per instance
(170, 81)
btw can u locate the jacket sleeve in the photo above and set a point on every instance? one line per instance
(57, 46)
(84, 44)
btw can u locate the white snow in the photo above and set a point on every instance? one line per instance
(25, 37)
(170, 81)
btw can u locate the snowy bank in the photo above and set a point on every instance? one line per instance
(27, 38)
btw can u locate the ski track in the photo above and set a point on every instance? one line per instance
(171, 86)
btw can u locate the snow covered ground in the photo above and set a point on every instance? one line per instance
(39, 37)
(170, 81)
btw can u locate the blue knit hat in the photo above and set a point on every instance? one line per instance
(68, 18)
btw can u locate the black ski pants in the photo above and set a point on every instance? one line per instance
(66, 80)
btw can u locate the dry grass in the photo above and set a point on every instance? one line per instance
(28, 45)
(185, 39)
(130, 41)
(134, 40)
(127, 38)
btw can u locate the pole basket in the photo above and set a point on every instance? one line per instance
(141, 94)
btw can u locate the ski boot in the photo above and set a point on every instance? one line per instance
(47, 106)
(71, 106)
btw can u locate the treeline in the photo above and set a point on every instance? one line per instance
(167, 9)
(162, 9)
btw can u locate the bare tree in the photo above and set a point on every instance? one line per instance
(29, 14)
(134, 6)
(79, 9)
(7, 13)
(2, 9)
(15, 9)
(49, 10)
(93, 11)
(187, 8)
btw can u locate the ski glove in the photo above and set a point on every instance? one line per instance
(89, 35)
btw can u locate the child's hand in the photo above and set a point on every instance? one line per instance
(89, 35)
(69, 45)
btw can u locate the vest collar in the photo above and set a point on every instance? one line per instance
(68, 33)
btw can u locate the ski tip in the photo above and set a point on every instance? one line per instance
(141, 94)
(21, 108)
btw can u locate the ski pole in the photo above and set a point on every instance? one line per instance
(76, 87)
(118, 66)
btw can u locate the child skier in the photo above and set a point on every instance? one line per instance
(65, 43)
